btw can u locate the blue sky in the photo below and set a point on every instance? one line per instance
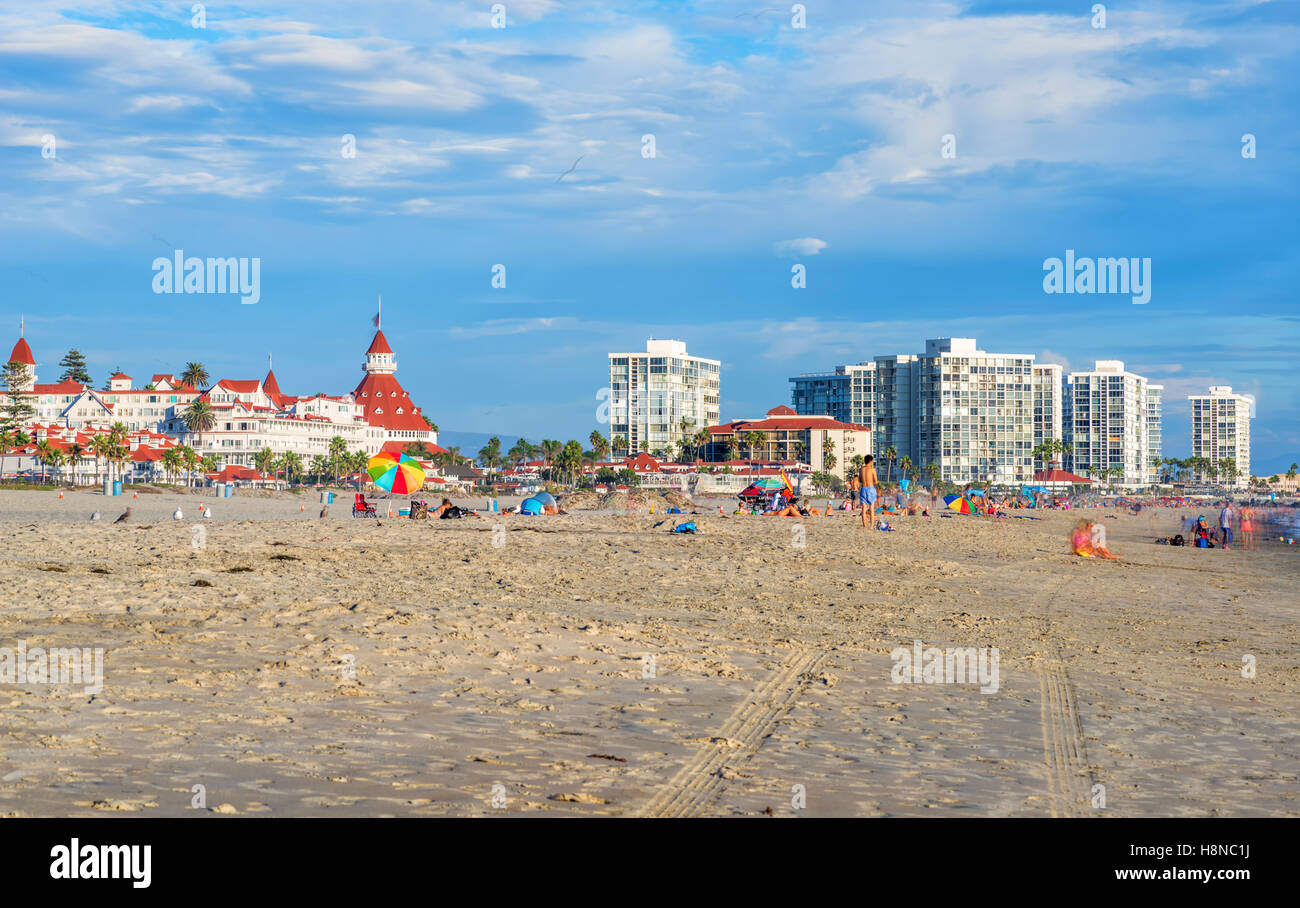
(774, 146)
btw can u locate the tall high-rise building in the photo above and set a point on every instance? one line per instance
(897, 396)
(975, 414)
(1155, 431)
(848, 394)
(1049, 408)
(1221, 430)
(659, 397)
(1106, 414)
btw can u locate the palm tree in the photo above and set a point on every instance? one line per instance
(44, 454)
(905, 465)
(199, 418)
(702, 440)
(490, 454)
(733, 447)
(263, 460)
(933, 472)
(171, 461)
(1291, 471)
(194, 375)
(75, 453)
(551, 450)
(12, 438)
(619, 443)
(891, 455)
(357, 461)
(291, 463)
(752, 441)
(337, 452)
(599, 446)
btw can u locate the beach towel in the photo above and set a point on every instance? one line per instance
(688, 527)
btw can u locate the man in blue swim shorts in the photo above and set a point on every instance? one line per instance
(867, 490)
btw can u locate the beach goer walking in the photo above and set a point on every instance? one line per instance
(867, 490)
(854, 485)
(1225, 524)
(1248, 527)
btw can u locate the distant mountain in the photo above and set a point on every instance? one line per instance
(470, 442)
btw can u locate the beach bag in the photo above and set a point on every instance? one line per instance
(688, 527)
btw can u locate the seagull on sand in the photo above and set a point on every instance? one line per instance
(207, 513)
(94, 516)
(324, 512)
(177, 515)
(125, 515)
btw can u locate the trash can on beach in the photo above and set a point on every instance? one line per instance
(230, 490)
(326, 497)
(117, 487)
(108, 487)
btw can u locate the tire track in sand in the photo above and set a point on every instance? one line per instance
(699, 783)
(1063, 745)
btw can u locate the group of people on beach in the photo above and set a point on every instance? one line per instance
(1199, 533)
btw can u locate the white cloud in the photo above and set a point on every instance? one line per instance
(808, 245)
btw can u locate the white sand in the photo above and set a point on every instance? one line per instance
(478, 665)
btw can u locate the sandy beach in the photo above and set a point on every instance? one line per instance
(597, 664)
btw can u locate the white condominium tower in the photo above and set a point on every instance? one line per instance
(969, 412)
(1106, 415)
(976, 416)
(1155, 431)
(847, 394)
(1221, 431)
(1049, 409)
(659, 397)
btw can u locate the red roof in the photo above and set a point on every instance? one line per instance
(1058, 476)
(782, 410)
(379, 344)
(239, 387)
(272, 389)
(235, 473)
(118, 376)
(63, 387)
(382, 391)
(398, 447)
(22, 353)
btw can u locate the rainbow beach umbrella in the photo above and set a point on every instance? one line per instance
(400, 474)
(959, 504)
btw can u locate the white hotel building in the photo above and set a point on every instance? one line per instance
(251, 415)
(651, 393)
(1107, 415)
(1221, 429)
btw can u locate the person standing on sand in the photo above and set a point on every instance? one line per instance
(854, 485)
(1225, 524)
(867, 490)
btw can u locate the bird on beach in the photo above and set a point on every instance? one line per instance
(94, 516)
(207, 513)
(177, 515)
(125, 516)
(324, 512)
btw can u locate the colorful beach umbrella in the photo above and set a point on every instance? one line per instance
(769, 482)
(397, 473)
(960, 505)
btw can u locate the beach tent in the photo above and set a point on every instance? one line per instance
(531, 506)
(904, 484)
(546, 498)
(979, 493)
